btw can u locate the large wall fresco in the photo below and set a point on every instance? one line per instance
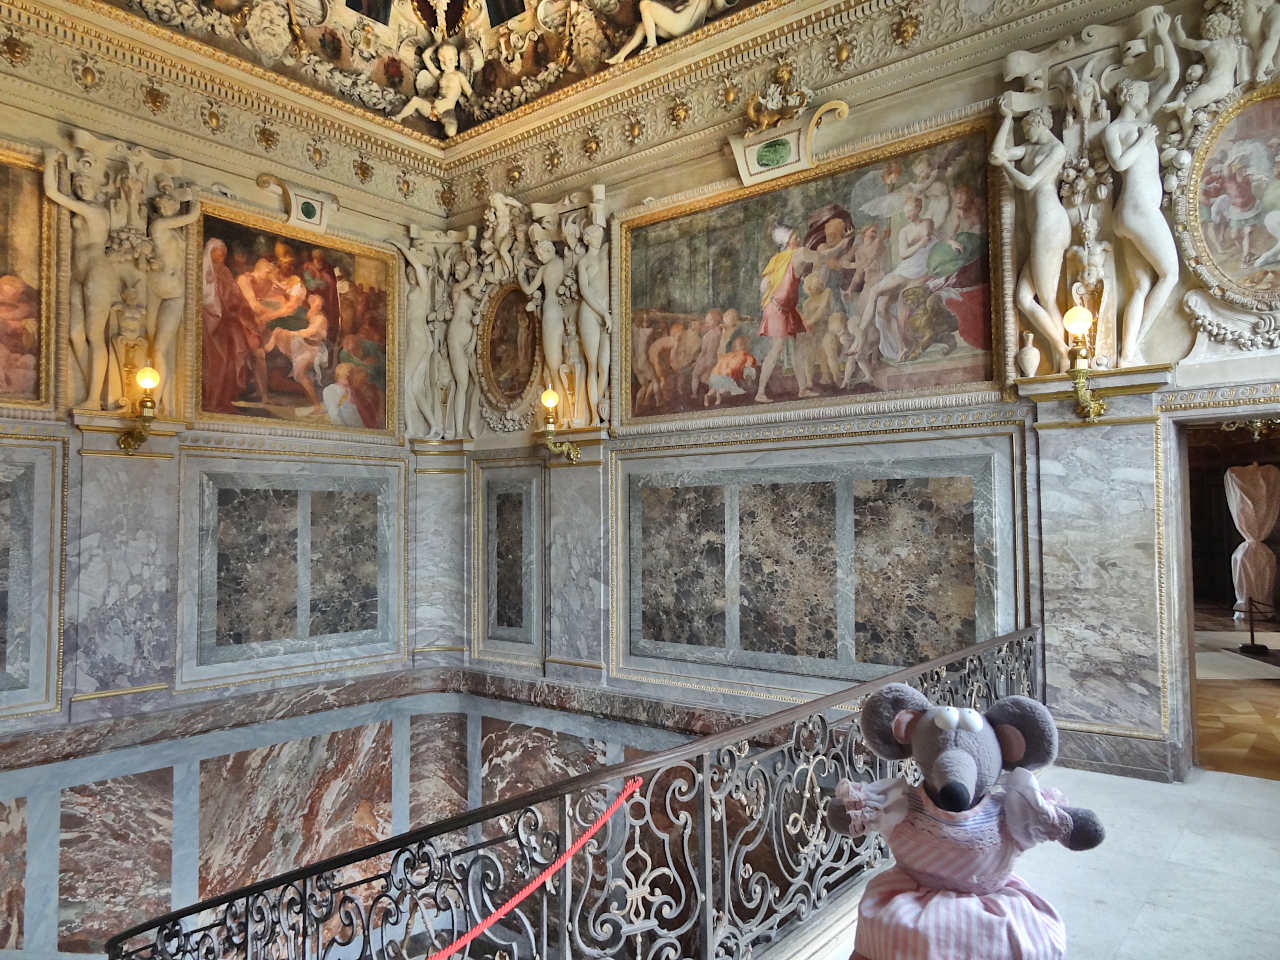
(872, 279)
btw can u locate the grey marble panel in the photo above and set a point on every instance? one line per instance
(344, 561)
(331, 536)
(124, 582)
(576, 529)
(256, 581)
(787, 568)
(986, 461)
(914, 568)
(17, 487)
(438, 584)
(1101, 602)
(678, 559)
(512, 550)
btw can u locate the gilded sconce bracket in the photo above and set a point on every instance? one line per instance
(1088, 406)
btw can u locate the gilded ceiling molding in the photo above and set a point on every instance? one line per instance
(28, 19)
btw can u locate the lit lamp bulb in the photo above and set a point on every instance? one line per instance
(148, 378)
(1078, 321)
(550, 399)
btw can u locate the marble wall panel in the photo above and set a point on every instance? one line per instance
(516, 758)
(508, 561)
(123, 578)
(576, 554)
(257, 572)
(787, 568)
(437, 768)
(914, 568)
(270, 809)
(1101, 601)
(678, 548)
(115, 836)
(344, 561)
(438, 586)
(6, 514)
(13, 871)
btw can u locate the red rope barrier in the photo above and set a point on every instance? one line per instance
(632, 786)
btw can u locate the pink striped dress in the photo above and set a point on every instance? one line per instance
(951, 894)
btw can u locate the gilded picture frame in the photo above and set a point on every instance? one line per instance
(21, 317)
(983, 374)
(1227, 211)
(507, 305)
(365, 282)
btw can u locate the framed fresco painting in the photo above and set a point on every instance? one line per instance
(866, 278)
(1229, 212)
(26, 287)
(297, 328)
(510, 358)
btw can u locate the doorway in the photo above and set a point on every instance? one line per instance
(1237, 691)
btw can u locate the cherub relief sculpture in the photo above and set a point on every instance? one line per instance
(441, 84)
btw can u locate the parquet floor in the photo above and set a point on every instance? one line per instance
(1238, 726)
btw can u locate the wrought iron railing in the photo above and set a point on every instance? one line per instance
(722, 851)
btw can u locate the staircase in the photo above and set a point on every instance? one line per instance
(723, 852)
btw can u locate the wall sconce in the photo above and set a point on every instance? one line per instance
(550, 400)
(148, 378)
(1078, 322)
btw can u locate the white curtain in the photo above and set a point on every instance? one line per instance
(1253, 494)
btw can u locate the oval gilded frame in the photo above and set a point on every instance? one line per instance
(1190, 228)
(493, 393)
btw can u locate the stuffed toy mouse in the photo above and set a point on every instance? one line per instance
(951, 894)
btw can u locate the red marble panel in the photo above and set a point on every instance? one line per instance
(271, 809)
(114, 858)
(438, 768)
(13, 870)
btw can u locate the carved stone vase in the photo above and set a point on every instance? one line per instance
(1028, 357)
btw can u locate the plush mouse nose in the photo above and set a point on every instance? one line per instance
(953, 797)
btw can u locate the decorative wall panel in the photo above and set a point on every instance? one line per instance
(298, 568)
(31, 571)
(115, 835)
(845, 566)
(13, 870)
(510, 562)
(914, 568)
(437, 767)
(268, 810)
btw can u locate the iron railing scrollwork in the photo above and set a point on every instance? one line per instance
(722, 851)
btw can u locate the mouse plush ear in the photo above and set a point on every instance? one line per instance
(1025, 729)
(888, 717)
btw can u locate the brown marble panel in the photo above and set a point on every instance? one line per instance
(787, 563)
(681, 565)
(516, 758)
(115, 836)
(344, 561)
(508, 545)
(268, 810)
(437, 768)
(13, 872)
(114, 733)
(914, 568)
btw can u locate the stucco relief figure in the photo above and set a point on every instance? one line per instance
(129, 350)
(594, 324)
(461, 342)
(440, 88)
(166, 287)
(500, 237)
(659, 21)
(95, 278)
(1093, 286)
(1260, 24)
(1149, 253)
(541, 280)
(419, 347)
(1222, 51)
(1033, 168)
